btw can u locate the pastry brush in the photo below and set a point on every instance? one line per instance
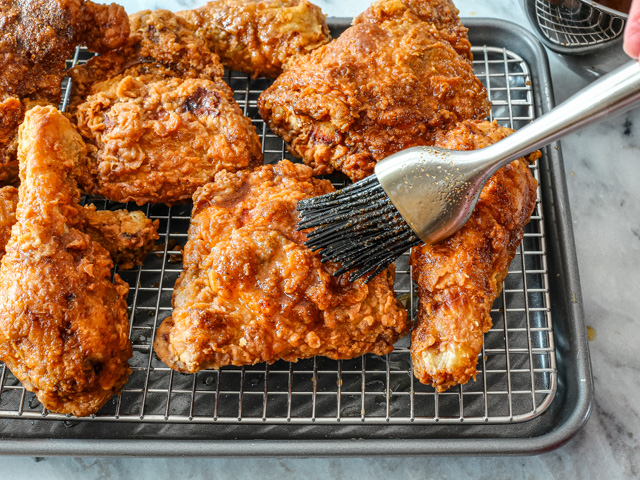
(425, 194)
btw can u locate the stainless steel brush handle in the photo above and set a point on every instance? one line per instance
(435, 190)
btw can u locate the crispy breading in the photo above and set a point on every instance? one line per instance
(251, 291)
(259, 37)
(64, 327)
(158, 119)
(459, 278)
(36, 39)
(443, 14)
(128, 236)
(377, 89)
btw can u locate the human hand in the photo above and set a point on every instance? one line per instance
(631, 42)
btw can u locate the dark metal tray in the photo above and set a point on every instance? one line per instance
(533, 392)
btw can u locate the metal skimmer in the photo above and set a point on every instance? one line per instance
(517, 377)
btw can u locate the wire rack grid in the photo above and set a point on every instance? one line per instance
(582, 26)
(517, 377)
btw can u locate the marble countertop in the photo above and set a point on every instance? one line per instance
(603, 171)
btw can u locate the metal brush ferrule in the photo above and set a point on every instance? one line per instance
(417, 192)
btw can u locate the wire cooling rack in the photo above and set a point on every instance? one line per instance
(517, 376)
(582, 26)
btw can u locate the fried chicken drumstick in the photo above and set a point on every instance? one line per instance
(36, 39)
(63, 321)
(259, 37)
(458, 279)
(251, 291)
(158, 120)
(387, 83)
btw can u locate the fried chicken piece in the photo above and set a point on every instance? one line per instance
(63, 321)
(259, 37)
(376, 90)
(443, 14)
(158, 119)
(252, 292)
(128, 236)
(36, 39)
(459, 278)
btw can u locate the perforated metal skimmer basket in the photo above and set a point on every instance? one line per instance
(314, 400)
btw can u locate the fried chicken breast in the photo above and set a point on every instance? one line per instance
(378, 89)
(251, 291)
(63, 320)
(36, 39)
(157, 117)
(459, 278)
(259, 37)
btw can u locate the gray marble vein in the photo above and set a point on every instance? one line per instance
(603, 173)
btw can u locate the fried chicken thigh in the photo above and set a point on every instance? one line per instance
(251, 291)
(157, 117)
(379, 88)
(458, 279)
(36, 39)
(259, 37)
(63, 321)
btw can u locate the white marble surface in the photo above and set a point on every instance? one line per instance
(603, 173)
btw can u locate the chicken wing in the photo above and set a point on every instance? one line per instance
(377, 89)
(36, 39)
(63, 321)
(259, 37)
(157, 117)
(252, 292)
(459, 278)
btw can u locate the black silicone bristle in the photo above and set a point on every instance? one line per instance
(358, 227)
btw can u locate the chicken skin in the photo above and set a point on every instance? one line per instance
(259, 37)
(459, 278)
(158, 120)
(378, 89)
(251, 291)
(127, 236)
(442, 14)
(63, 321)
(36, 39)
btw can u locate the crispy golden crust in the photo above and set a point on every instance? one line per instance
(441, 13)
(8, 205)
(160, 43)
(36, 39)
(377, 89)
(252, 292)
(63, 323)
(158, 140)
(127, 236)
(11, 115)
(459, 278)
(259, 37)
(158, 120)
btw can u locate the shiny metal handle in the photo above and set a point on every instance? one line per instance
(615, 93)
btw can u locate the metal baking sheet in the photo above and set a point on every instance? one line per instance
(535, 358)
